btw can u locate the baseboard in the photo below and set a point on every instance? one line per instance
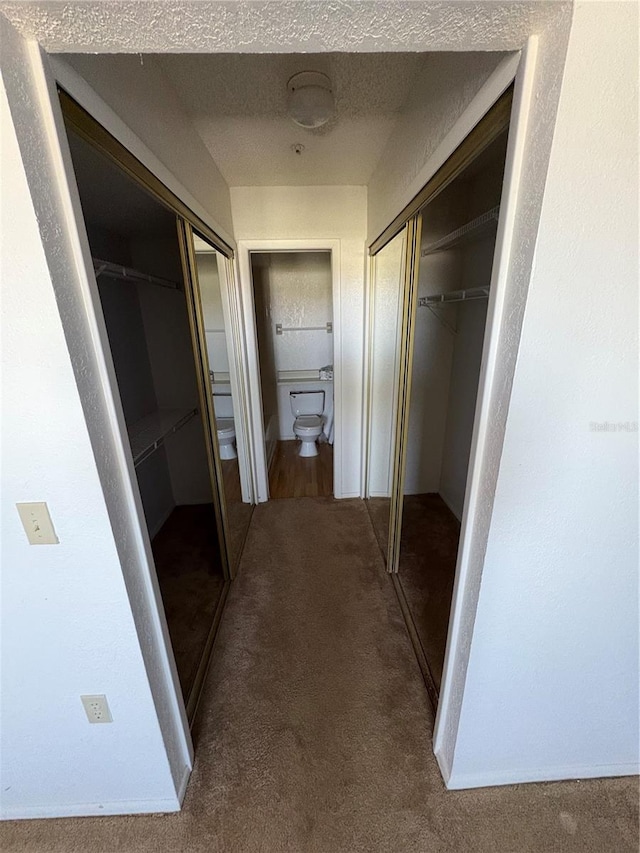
(459, 781)
(182, 787)
(157, 527)
(449, 506)
(445, 767)
(119, 807)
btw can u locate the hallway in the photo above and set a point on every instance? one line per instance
(314, 731)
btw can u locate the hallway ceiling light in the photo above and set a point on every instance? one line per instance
(311, 101)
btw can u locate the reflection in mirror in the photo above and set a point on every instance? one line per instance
(456, 258)
(385, 328)
(210, 270)
(142, 299)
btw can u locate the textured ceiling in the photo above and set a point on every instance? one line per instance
(238, 104)
(280, 26)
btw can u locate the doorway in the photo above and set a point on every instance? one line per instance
(292, 329)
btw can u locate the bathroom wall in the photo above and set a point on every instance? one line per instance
(300, 289)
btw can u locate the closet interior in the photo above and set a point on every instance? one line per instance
(453, 273)
(139, 271)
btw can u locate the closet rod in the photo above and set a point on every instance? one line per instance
(107, 268)
(454, 296)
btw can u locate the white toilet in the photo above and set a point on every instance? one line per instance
(223, 407)
(307, 407)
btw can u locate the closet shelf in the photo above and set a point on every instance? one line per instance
(150, 432)
(465, 233)
(111, 270)
(454, 296)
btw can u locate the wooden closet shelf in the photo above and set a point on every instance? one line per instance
(469, 231)
(150, 432)
(118, 271)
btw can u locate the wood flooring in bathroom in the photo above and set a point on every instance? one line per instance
(291, 476)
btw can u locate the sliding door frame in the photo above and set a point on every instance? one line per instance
(494, 122)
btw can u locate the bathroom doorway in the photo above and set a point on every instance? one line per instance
(289, 303)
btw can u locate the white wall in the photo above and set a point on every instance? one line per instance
(427, 130)
(298, 213)
(300, 288)
(67, 622)
(552, 682)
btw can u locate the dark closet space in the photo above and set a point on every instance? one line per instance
(137, 261)
(453, 281)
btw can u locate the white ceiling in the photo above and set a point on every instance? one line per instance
(238, 104)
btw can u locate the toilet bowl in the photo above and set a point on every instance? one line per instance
(225, 427)
(226, 438)
(307, 407)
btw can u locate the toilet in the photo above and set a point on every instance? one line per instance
(225, 427)
(307, 408)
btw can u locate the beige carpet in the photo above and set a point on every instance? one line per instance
(314, 734)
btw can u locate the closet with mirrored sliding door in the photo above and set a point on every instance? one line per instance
(427, 331)
(158, 287)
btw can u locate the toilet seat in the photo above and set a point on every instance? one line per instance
(225, 427)
(308, 423)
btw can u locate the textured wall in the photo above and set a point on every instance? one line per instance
(67, 616)
(301, 295)
(552, 683)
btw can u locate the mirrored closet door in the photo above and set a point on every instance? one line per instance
(148, 304)
(438, 337)
(208, 270)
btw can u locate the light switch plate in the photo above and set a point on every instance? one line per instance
(37, 523)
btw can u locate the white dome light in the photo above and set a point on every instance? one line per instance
(310, 99)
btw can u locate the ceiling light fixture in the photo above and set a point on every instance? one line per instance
(311, 101)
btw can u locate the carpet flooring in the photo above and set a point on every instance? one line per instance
(189, 572)
(314, 730)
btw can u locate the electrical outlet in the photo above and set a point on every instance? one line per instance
(97, 708)
(37, 523)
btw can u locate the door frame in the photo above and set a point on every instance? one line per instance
(249, 343)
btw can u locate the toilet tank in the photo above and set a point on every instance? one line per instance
(307, 402)
(222, 403)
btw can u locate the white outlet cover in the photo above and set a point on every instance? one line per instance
(97, 708)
